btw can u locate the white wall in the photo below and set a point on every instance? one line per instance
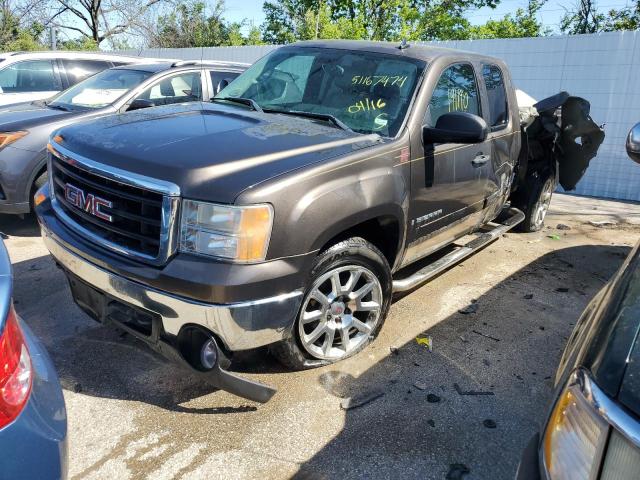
(603, 68)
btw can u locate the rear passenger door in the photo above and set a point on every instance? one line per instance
(504, 140)
(75, 71)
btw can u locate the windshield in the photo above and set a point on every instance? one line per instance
(368, 92)
(101, 89)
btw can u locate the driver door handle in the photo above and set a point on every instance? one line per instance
(480, 159)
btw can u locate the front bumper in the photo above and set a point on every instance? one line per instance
(240, 326)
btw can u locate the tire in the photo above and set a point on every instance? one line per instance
(536, 200)
(328, 313)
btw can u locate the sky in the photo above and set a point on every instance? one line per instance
(550, 14)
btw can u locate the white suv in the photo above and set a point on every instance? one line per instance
(28, 76)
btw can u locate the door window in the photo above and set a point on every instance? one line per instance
(29, 76)
(497, 96)
(456, 91)
(78, 70)
(219, 80)
(185, 87)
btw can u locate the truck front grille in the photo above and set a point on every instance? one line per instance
(122, 215)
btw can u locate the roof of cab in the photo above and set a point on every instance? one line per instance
(69, 54)
(410, 50)
(161, 65)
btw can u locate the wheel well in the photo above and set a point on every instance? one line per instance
(383, 232)
(42, 170)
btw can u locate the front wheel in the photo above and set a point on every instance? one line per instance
(537, 201)
(344, 306)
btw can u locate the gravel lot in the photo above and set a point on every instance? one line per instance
(133, 416)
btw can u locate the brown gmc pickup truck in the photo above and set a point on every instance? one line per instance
(283, 212)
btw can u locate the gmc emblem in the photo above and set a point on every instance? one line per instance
(87, 202)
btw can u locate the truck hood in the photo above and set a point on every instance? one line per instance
(23, 116)
(211, 151)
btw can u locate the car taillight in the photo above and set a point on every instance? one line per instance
(15, 370)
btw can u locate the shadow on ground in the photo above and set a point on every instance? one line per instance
(420, 425)
(502, 358)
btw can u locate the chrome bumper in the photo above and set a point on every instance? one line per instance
(240, 326)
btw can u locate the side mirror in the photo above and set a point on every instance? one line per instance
(633, 143)
(456, 127)
(139, 103)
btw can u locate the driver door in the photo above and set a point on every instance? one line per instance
(448, 186)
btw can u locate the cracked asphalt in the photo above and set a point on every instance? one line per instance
(133, 416)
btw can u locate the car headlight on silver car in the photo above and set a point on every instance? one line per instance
(238, 233)
(587, 435)
(575, 436)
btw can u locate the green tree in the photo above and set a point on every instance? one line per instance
(82, 43)
(16, 31)
(523, 24)
(289, 20)
(585, 18)
(627, 18)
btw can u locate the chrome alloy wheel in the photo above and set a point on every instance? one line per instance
(340, 312)
(542, 205)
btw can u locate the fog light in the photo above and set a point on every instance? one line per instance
(209, 354)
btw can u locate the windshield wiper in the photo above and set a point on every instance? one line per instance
(320, 116)
(249, 102)
(57, 107)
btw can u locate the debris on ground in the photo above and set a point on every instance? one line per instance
(486, 336)
(457, 471)
(563, 226)
(554, 237)
(394, 350)
(471, 392)
(463, 339)
(528, 296)
(433, 398)
(602, 223)
(420, 385)
(562, 289)
(360, 400)
(471, 308)
(431, 423)
(77, 388)
(425, 341)
(488, 423)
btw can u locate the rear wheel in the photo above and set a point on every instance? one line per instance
(537, 199)
(343, 308)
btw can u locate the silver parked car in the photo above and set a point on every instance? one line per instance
(25, 128)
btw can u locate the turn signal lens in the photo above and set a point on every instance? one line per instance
(16, 373)
(574, 438)
(7, 138)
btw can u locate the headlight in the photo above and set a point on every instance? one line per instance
(7, 138)
(235, 233)
(622, 461)
(575, 437)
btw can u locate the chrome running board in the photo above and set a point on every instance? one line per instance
(481, 240)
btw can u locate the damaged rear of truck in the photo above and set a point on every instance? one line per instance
(559, 140)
